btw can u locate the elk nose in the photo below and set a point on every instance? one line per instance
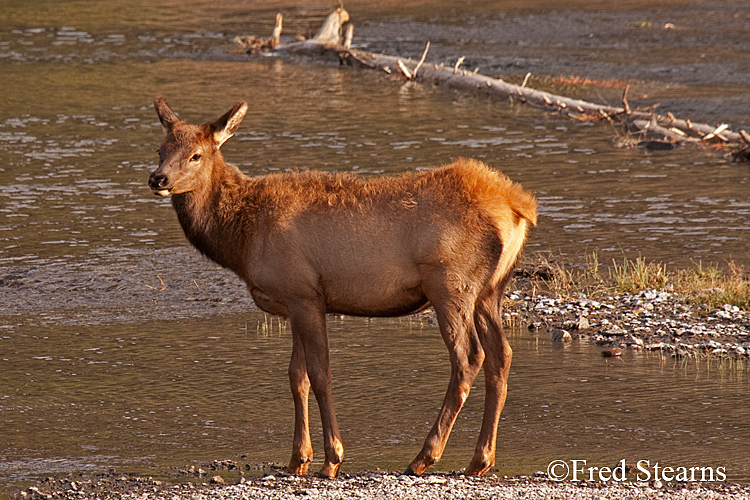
(157, 181)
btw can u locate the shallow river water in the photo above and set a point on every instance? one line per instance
(120, 347)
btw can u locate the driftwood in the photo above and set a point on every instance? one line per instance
(643, 127)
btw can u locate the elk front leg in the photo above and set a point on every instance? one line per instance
(308, 325)
(302, 451)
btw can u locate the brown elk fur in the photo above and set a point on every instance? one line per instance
(311, 243)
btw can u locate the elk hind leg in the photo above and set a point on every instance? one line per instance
(498, 355)
(459, 334)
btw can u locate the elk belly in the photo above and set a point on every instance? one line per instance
(381, 296)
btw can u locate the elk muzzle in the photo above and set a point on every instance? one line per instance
(159, 184)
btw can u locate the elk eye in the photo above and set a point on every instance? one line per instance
(195, 157)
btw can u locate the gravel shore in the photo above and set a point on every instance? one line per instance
(650, 320)
(375, 485)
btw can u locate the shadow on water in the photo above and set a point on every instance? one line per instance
(119, 347)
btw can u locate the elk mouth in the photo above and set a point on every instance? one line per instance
(162, 192)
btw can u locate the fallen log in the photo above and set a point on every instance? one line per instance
(643, 127)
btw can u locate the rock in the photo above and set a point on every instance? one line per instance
(583, 323)
(601, 340)
(615, 330)
(560, 335)
(217, 480)
(435, 480)
(631, 340)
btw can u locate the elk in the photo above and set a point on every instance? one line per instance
(310, 243)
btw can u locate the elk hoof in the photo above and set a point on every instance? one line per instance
(409, 472)
(417, 468)
(299, 467)
(478, 470)
(329, 471)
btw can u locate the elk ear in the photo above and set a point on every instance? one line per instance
(166, 115)
(227, 125)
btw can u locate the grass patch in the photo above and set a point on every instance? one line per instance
(706, 285)
(713, 287)
(635, 275)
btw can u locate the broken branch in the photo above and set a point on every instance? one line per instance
(404, 70)
(421, 61)
(276, 34)
(625, 104)
(458, 63)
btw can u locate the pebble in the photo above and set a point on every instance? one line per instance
(583, 323)
(560, 335)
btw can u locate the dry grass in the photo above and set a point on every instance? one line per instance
(709, 286)
(635, 275)
(713, 287)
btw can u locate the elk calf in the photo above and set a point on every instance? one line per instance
(311, 243)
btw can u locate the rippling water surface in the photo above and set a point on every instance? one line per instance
(120, 347)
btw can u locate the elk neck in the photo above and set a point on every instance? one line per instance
(218, 217)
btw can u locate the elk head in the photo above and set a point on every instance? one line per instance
(189, 151)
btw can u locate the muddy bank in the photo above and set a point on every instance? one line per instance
(377, 485)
